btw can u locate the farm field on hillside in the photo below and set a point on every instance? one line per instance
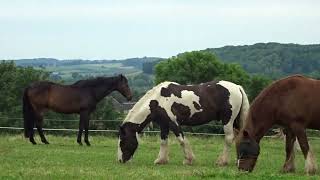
(64, 159)
(93, 69)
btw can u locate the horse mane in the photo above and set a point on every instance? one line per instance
(94, 82)
(272, 88)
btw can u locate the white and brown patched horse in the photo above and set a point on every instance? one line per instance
(171, 105)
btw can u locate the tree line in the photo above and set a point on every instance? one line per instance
(273, 59)
(198, 67)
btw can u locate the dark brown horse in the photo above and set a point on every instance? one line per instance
(292, 102)
(80, 97)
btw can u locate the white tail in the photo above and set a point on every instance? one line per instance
(244, 108)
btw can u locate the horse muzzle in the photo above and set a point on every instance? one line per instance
(247, 164)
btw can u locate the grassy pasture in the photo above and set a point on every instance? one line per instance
(64, 159)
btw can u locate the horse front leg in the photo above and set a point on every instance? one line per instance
(163, 157)
(310, 162)
(224, 158)
(184, 143)
(289, 165)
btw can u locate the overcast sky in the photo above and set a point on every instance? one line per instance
(99, 29)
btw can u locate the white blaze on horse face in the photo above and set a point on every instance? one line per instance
(235, 99)
(141, 110)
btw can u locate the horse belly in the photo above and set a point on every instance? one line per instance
(198, 119)
(315, 122)
(64, 104)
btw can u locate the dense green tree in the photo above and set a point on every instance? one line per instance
(197, 67)
(189, 68)
(256, 85)
(13, 80)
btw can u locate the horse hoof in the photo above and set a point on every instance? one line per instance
(311, 171)
(187, 162)
(222, 163)
(80, 143)
(45, 142)
(161, 161)
(87, 143)
(288, 169)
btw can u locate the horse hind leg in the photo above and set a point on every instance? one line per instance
(80, 132)
(39, 125)
(84, 124)
(163, 157)
(31, 137)
(289, 165)
(188, 154)
(229, 116)
(184, 143)
(224, 158)
(310, 162)
(86, 131)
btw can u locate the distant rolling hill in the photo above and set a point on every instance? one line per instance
(69, 69)
(273, 59)
(270, 59)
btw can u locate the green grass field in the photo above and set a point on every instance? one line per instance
(64, 159)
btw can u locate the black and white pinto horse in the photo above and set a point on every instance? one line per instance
(171, 105)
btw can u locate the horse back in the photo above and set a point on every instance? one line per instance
(60, 98)
(215, 101)
(292, 99)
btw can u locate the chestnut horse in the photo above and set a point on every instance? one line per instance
(293, 103)
(171, 105)
(80, 97)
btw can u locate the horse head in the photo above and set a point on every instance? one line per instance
(128, 142)
(123, 87)
(247, 151)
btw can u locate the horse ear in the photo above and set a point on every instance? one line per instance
(245, 133)
(121, 76)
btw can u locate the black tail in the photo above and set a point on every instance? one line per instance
(28, 114)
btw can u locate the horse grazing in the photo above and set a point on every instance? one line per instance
(80, 97)
(293, 103)
(171, 105)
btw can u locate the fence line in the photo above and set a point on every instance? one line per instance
(67, 120)
(107, 130)
(112, 130)
(95, 120)
(147, 131)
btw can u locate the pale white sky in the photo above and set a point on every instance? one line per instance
(120, 29)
